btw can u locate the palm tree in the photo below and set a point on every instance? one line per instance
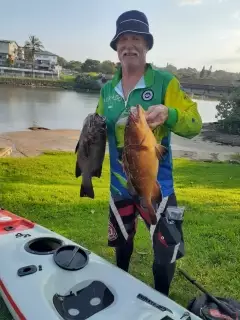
(31, 47)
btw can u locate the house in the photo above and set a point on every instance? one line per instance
(8, 48)
(45, 60)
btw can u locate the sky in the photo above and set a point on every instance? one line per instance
(187, 33)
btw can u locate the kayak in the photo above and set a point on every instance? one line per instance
(44, 275)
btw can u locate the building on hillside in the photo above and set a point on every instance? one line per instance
(12, 57)
(8, 49)
(45, 60)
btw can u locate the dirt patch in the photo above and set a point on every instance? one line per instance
(35, 142)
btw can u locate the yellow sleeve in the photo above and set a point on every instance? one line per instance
(184, 118)
(100, 106)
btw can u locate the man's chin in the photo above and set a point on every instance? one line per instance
(131, 63)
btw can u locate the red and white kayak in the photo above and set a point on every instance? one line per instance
(45, 276)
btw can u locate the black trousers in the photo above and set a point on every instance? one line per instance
(163, 274)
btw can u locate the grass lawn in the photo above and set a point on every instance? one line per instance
(44, 189)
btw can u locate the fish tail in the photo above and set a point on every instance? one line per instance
(157, 193)
(152, 213)
(87, 188)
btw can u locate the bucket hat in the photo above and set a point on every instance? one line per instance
(134, 22)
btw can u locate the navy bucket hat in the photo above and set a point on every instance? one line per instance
(134, 22)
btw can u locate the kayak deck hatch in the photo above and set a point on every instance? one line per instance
(84, 303)
(43, 245)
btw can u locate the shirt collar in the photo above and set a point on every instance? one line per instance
(148, 76)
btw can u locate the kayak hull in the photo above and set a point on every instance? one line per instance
(35, 284)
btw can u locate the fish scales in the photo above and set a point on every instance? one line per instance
(90, 151)
(141, 156)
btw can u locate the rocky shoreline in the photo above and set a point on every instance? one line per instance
(210, 133)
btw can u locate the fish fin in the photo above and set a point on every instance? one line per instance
(97, 173)
(86, 191)
(139, 147)
(160, 151)
(157, 193)
(147, 205)
(78, 171)
(87, 187)
(77, 146)
(152, 215)
(131, 188)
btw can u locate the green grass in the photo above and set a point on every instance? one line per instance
(66, 77)
(45, 190)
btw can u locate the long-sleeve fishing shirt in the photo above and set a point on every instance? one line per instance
(155, 87)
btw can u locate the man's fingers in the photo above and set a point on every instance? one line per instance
(150, 110)
(153, 125)
(152, 116)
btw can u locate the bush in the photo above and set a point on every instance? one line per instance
(85, 81)
(228, 113)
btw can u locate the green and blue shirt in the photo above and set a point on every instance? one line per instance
(155, 87)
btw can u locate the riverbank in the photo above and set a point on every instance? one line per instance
(36, 82)
(33, 143)
(210, 133)
(88, 82)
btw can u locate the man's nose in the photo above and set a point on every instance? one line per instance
(128, 42)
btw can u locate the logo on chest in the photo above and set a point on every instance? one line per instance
(147, 95)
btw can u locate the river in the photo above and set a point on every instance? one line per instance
(21, 108)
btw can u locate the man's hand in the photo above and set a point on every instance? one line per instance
(156, 115)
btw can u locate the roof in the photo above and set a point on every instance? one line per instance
(47, 53)
(8, 41)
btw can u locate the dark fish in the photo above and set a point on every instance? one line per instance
(141, 155)
(90, 151)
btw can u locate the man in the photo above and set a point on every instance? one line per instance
(168, 109)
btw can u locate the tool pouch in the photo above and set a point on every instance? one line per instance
(174, 214)
(168, 243)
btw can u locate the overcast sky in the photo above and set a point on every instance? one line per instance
(186, 32)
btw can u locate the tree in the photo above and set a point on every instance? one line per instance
(10, 61)
(74, 65)
(91, 66)
(209, 71)
(32, 46)
(61, 61)
(107, 67)
(228, 113)
(202, 73)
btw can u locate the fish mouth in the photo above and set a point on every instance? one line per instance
(135, 114)
(102, 118)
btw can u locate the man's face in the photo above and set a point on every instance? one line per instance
(132, 50)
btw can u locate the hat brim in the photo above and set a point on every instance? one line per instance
(146, 35)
